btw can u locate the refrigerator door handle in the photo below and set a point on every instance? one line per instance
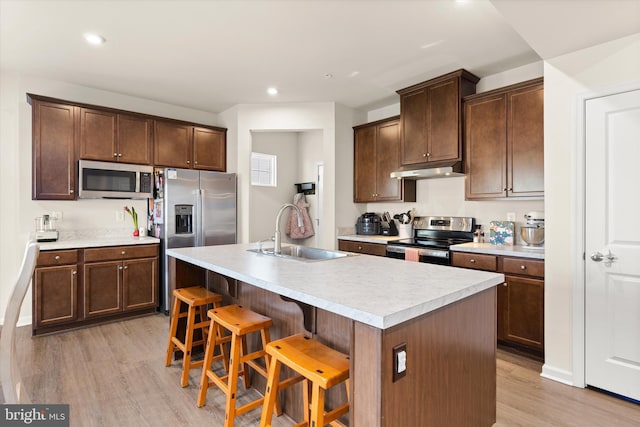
(198, 217)
(203, 218)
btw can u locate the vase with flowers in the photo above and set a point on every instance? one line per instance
(134, 217)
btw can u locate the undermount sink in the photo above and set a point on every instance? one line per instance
(303, 253)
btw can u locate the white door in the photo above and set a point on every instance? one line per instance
(612, 242)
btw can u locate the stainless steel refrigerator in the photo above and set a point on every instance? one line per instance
(198, 209)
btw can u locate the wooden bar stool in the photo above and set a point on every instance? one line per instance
(197, 299)
(324, 367)
(240, 321)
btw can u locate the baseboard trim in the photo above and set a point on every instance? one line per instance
(556, 374)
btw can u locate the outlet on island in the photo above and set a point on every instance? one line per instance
(119, 216)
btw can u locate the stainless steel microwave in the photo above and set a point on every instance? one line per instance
(104, 180)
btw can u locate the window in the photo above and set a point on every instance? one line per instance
(263, 169)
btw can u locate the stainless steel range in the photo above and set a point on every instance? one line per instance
(432, 236)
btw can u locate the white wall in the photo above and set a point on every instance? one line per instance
(266, 201)
(566, 78)
(18, 210)
(332, 120)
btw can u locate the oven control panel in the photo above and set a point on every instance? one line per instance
(448, 223)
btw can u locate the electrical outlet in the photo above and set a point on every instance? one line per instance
(57, 215)
(511, 216)
(119, 216)
(399, 361)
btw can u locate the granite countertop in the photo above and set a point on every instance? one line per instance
(378, 291)
(487, 248)
(383, 240)
(94, 239)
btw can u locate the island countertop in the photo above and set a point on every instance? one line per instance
(377, 291)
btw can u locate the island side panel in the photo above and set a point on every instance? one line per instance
(451, 368)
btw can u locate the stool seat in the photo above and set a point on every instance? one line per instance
(311, 359)
(240, 322)
(315, 363)
(197, 300)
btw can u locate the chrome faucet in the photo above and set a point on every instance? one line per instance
(277, 246)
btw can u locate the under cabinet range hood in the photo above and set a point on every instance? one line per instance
(429, 173)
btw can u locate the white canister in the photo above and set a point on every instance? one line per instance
(405, 231)
(142, 231)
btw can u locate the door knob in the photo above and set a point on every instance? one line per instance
(597, 256)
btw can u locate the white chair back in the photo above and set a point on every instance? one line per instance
(9, 371)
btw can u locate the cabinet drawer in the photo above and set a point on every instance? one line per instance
(522, 266)
(120, 252)
(475, 261)
(363, 247)
(58, 257)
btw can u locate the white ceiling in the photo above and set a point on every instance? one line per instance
(211, 55)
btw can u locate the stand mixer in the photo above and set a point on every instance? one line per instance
(533, 233)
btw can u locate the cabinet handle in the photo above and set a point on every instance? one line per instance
(126, 266)
(188, 162)
(120, 268)
(122, 253)
(195, 162)
(428, 154)
(70, 191)
(509, 189)
(115, 154)
(119, 154)
(472, 261)
(523, 267)
(57, 257)
(505, 284)
(74, 272)
(425, 154)
(359, 248)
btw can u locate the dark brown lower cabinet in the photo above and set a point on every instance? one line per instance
(520, 308)
(521, 312)
(363, 247)
(115, 282)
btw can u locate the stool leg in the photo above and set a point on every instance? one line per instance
(234, 368)
(203, 317)
(317, 406)
(266, 338)
(271, 393)
(305, 400)
(206, 366)
(173, 328)
(245, 366)
(219, 332)
(188, 342)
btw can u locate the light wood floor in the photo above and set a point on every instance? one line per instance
(114, 375)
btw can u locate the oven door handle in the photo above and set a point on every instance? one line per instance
(421, 251)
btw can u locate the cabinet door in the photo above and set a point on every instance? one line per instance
(525, 136)
(443, 121)
(364, 167)
(523, 311)
(98, 135)
(209, 149)
(55, 290)
(134, 139)
(388, 160)
(413, 108)
(54, 153)
(486, 148)
(102, 288)
(172, 144)
(140, 283)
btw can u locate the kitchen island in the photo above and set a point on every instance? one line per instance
(373, 307)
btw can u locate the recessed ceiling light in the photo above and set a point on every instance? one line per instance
(354, 73)
(328, 76)
(94, 39)
(272, 91)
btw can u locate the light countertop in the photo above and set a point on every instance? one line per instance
(94, 239)
(383, 240)
(378, 291)
(487, 248)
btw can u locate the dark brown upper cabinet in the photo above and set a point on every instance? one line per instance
(54, 160)
(376, 155)
(431, 121)
(115, 137)
(184, 146)
(504, 140)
